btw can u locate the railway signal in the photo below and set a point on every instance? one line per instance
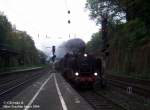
(53, 58)
(53, 50)
(68, 11)
(69, 21)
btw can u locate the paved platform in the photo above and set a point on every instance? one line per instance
(50, 92)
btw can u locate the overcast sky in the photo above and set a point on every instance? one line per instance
(49, 17)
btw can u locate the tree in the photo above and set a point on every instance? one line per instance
(18, 42)
(43, 57)
(95, 43)
(5, 28)
(109, 8)
(119, 9)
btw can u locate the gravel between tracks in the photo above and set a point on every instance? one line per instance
(127, 101)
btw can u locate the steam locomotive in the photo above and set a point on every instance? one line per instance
(81, 69)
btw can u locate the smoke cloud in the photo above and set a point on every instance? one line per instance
(71, 46)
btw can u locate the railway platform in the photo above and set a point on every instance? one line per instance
(50, 92)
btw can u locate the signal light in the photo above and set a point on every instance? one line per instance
(68, 11)
(53, 49)
(69, 21)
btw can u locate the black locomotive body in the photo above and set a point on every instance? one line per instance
(84, 70)
(81, 69)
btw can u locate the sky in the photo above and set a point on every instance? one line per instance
(50, 18)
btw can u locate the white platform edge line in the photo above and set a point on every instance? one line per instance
(60, 95)
(37, 93)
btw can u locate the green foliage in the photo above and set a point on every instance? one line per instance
(19, 41)
(120, 9)
(130, 35)
(129, 41)
(42, 56)
(5, 28)
(109, 8)
(95, 42)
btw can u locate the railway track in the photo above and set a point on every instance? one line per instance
(18, 81)
(132, 86)
(8, 89)
(99, 102)
(17, 74)
(124, 98)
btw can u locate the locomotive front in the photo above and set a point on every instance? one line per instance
(85, 70)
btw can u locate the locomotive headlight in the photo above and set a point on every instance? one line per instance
(95, 74)
(85, 55)
(76, 74)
